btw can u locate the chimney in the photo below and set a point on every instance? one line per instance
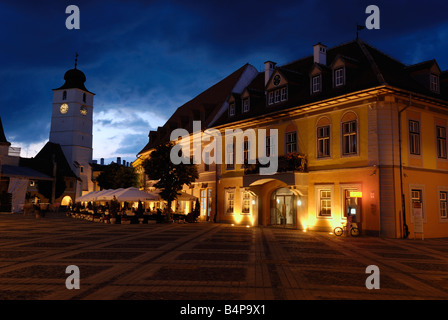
(102, 161)
(269, 67)
(119, 160)
(320, 53)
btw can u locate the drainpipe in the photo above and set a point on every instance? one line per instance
(405, 231)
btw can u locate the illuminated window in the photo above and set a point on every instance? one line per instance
(246, 202)
(349, 137)
(441, 142)
(325, 203)
(414, 137)
(203, 202)
(443, 196)
(230, 201)
(323, 141)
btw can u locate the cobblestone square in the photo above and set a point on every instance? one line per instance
(209, 261)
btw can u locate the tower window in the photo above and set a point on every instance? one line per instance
(84, 97)
(64, 95)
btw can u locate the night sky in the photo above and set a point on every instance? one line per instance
(144, 59)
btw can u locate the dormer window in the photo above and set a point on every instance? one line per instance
(434, 83)
(246, 105)
(271, 98)
(232, 109)
(284, 93)
(339, 77)
(278, 95)
(316, 84)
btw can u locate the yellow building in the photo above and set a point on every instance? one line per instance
(353, 130)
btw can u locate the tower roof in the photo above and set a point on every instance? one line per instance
(2, 135)
(74, 79)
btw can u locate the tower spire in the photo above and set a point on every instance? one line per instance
(76, 59)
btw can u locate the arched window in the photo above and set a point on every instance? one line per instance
(64, 95)
(349, 123)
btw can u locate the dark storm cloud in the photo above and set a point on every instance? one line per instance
(153, 56)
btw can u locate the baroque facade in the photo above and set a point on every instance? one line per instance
(356, 132)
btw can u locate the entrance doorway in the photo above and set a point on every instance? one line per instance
(283, 207)
(206, 203)
(67, 200)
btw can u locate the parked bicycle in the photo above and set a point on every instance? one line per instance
(339, 231)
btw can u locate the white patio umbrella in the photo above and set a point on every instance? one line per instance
(185, 197)
(182, 197)
(108, 195)
(135, 194)
(88, 197)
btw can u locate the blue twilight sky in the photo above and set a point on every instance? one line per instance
(143, 59)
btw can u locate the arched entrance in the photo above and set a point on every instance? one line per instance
(66, 201)
(283, 209)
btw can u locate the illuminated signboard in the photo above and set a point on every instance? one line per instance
(355, 194)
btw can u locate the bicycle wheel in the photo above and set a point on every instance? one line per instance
(338, 231)
(354, 232)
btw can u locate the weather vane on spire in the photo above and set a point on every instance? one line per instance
(76, 59)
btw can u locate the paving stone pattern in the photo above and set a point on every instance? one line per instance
(210, 261)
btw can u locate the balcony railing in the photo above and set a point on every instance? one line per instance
(292, 162)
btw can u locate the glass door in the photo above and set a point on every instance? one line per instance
(284, 210)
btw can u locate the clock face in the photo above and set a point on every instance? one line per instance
(83, 110)
(277, 80)
(63, 108)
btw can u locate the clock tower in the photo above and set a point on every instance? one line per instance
(71, 126)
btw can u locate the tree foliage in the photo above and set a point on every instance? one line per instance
(171, 178)
(116, 176)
